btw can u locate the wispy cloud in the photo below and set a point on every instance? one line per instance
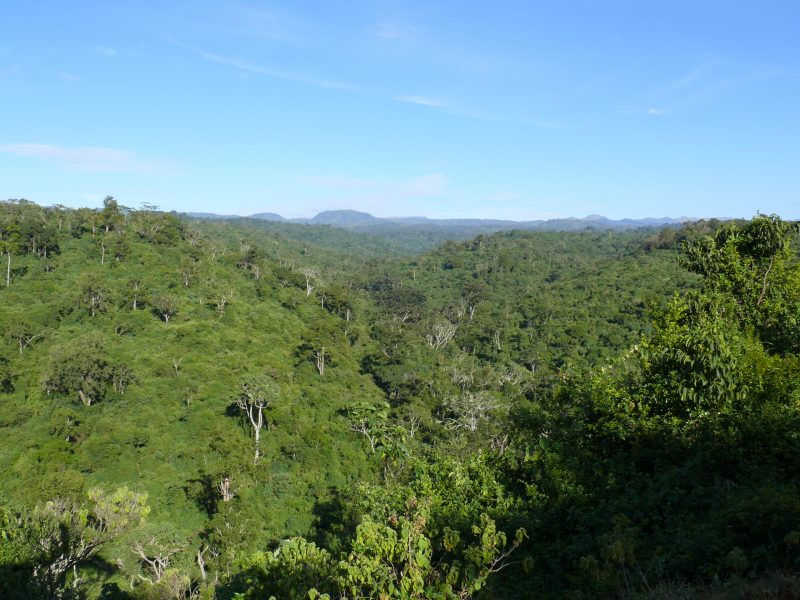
(434, 184)
(67, 77)
(422, 101)
(393, 30)
(337, 182)
(255, 69)
(710, 79)
(320, 82)
(235, 19)
(697, 74)
(504, 197)
(477, 115)
(106, 51)
(88, 159)
(431, 184)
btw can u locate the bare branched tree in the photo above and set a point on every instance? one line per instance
(467, 410)
(136, 292)
(122, 377)
(222, 302)
(441, 333)
(154, 557)
(23, 334)
(312, 276)
(256, 393)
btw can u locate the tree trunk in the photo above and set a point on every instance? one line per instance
(201, 562)
(257, 425)
(8, 269)
(321, 360)
(225, 489)
(84, 398)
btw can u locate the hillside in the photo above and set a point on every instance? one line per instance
(411, 235)
(171, 428)
(222, 409)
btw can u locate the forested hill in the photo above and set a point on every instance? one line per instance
(536, 299)
(126, 338)
(198, 409)
(411, 235)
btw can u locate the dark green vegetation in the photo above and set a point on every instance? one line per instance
(243, 410)
(410, 235)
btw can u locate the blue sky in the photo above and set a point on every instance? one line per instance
(523, 110)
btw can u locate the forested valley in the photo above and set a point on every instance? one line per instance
(243, 410)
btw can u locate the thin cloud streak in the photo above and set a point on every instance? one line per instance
(106, 51)
(303, 79)
(422, 101)
(268, 71)
(693, 89)
(337, 182)
(87, 159)
(431, 184)
(465, 113)
(391, 30)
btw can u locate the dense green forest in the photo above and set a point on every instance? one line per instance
(241, 409)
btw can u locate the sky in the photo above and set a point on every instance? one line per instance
(506, 109)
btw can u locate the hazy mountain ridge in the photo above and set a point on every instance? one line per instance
(353, 219)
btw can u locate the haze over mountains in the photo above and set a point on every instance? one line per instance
(356, 220)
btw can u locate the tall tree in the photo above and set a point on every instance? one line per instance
(81, 367)
(62, 535)
(256, 394)
(11, 242)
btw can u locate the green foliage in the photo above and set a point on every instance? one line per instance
(49, 543)
(81, 367)
(406, 410)
(392, 560)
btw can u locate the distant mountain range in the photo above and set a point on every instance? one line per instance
(356, 220)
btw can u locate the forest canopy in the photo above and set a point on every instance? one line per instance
(197, 409)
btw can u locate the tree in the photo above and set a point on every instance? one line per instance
(119, 247)
(312, 277)
(62, 535)
(468, 409)
(11, 242)
(136, 292)
(256, 393)
(441, 333)
(154, 557)
(82, 367)
(165, 306)
(23, 333)
(110, 216)
(221, 301)
(394, 560)
(370, 421)
(187, 270)
(319, 358)
(754, 264)
(95, 295)
(122, 376)
(6, 381)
